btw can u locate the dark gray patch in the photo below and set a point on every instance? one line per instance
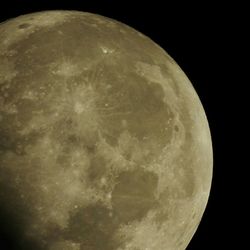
(133, 196)
(24, 26)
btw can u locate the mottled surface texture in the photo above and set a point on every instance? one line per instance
(104, 144)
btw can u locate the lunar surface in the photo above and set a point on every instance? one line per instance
(104, 143)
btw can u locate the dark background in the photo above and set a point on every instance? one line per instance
(197, 36)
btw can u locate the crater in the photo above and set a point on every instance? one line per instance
(176, 128)
(24, 26)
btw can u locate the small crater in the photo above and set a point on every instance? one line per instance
(176, 128)
(73, 139)
(24, 26)
(91, 149)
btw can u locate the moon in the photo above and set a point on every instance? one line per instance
(104, 143)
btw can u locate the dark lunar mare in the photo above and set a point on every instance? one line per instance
(94, 227)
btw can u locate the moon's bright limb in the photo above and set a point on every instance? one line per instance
(104, 144)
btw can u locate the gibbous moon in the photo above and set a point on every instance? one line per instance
(104, 143)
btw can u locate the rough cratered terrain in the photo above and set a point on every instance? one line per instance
(104, 144)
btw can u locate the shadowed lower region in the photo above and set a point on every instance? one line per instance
(13, 220)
